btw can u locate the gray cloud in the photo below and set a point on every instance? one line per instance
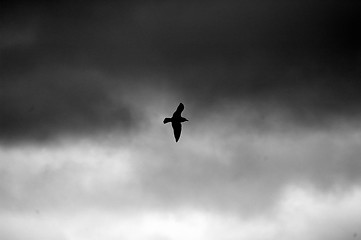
(271, 90)
(300, 58)
(218, 169)
(52, 101)
(247, 173)
(228, 170)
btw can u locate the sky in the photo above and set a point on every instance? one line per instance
(271, 90)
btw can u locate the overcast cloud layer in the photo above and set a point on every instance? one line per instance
(65, 61)
(271, 89)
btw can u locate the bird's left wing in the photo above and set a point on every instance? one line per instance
(179, 110)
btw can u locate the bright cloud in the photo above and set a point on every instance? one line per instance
(251, 185)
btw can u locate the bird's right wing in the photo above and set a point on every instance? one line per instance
(177, 129)
(179, 110)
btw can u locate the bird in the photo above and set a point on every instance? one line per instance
(176, 121)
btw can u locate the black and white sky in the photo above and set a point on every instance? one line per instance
(271, 88)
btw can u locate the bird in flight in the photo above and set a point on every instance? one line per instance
(176, 121)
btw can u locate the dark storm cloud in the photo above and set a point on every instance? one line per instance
(301, 58)
(41, 105)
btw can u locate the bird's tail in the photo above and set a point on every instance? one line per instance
(166, 120)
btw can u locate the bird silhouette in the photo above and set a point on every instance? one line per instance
(176, 121)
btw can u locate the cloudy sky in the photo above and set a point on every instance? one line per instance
(271, 88)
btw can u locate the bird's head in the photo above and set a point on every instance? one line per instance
(184, 120)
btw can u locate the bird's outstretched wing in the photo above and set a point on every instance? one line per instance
(177, 129)
(179, 110)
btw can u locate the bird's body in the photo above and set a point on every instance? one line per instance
(176, 121)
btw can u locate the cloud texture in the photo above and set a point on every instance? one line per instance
(271, 90)
(64, 61)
